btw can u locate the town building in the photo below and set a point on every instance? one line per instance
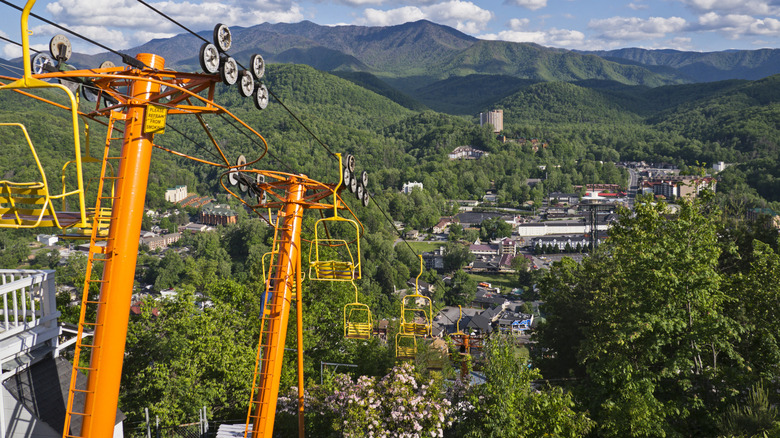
(442, 226)
(47, 239)
(434, 259)
(677, 186)
(176, 194)
(408, 187)
(155, 242)
(466, 153)
(217, 214)
(494, 118)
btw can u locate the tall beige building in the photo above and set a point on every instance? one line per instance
(495, 118)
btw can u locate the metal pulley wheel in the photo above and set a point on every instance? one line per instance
(366, 198)
(261, 97)
(107, 64)
(350, 162)
(60, 48)
(360, 192)
(353, 185)
(347, 177)
(241, 163)
(246, 83)
(364, 179)
(41, 64)
(209, 58)
(90, 92)
(262, 197)
(228, 71)
(222, 37)
(257, 64)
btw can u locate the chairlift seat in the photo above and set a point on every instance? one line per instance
(405, 346)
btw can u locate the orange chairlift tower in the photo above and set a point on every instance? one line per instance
(133, 102)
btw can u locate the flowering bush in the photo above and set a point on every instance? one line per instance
(396, 406)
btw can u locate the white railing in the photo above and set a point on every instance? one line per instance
(27, 300)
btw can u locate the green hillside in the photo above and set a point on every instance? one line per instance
(531, 61)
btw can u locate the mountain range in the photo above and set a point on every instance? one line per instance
(423, 64)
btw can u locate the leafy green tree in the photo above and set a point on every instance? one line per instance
(456, 256)
(47, 259)
(651, 329)
(494, 228)
(507, 405)
(753, 417)
(462, 290)
(186, 358)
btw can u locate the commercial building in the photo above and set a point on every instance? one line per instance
(493, 117)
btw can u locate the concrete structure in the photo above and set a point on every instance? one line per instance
(176, 194)
(408, 187)
(34, 378)
(493, 117)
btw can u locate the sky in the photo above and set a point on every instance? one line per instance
(690, 25)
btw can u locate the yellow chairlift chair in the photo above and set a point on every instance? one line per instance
(357, 319)
(346, 269)
(405, 346)
(29, 204)
(416, 311)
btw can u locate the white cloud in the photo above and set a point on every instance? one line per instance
(462, 15)
(376, 17)
(197, 15)
(755, 7)
(637, 6)
(528, 4)
(767, 27)
(11, 51)
(571, 39)
(359, 3)
(140, 23)
(633, 28)
(734, 26)
(518, 23)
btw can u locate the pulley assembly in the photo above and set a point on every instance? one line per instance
(215, 60)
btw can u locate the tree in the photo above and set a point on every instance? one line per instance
(463, 289)
(456, 232)
(494, 228)
(507, 406)
(456, 256)
(651, 330)
(186, 358)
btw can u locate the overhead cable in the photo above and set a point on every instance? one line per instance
(127, 59)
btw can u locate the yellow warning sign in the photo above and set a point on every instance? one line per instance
(154, 123)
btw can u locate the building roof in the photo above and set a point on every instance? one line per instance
(475, 217)
(43, 390)
(480, 323)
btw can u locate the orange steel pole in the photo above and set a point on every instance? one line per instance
(288, 261)
(299, 311)
(119, 271)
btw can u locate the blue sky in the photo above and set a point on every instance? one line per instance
(695, 25)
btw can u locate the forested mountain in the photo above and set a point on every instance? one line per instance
(702, 66)
(408, 56)
(413, 57)
(660, 332)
